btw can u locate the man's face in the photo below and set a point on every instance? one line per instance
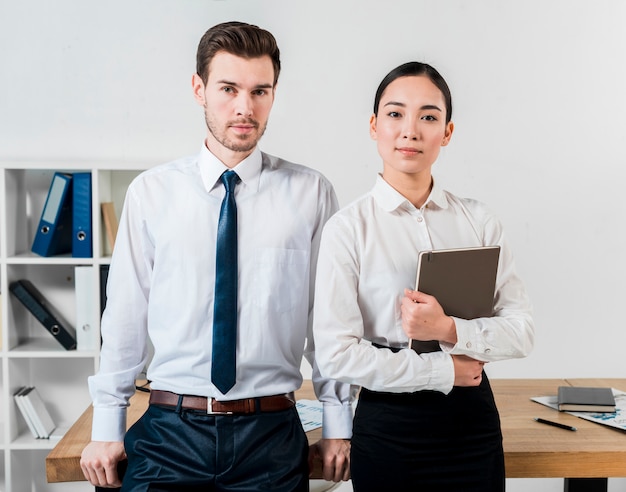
(237, 100)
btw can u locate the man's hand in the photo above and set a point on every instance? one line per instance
(99, 462)
(335, 457)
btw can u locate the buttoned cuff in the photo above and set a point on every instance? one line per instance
(441, 371)
(468, 342)
(337, 421)
(109, 424)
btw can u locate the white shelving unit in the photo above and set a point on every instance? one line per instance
(29, 355)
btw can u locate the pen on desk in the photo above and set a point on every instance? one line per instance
(555, 424)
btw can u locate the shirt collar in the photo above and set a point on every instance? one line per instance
(211, 168)
(389, 199)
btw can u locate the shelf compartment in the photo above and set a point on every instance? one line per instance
(111, 186)
(58, 381)
(56, 285)
(25, 191)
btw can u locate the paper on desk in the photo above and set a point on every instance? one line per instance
(615, 419)
(310, 412)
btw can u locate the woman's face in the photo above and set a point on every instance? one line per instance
(411, 127)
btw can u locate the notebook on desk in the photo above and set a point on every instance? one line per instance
(585, 399)
(463, 281)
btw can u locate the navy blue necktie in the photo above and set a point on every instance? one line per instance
(225, 302)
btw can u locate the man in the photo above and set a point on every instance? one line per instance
(164, 283)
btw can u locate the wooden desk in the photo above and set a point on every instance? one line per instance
(531, 449)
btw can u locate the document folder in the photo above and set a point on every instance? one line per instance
(462, 280)
(43, 420)
(110, 223)
(18, 396)
(54, 234)
(85, 283)
(104, 277)
(35, 411)
(32, 299)
(82, 238)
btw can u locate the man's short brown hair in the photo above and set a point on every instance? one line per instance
(239, 39)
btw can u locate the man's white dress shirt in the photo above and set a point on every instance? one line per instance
(162, 276)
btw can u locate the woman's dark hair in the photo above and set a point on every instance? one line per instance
(415, 69)
(239, 39)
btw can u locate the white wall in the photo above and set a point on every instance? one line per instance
(539, 99)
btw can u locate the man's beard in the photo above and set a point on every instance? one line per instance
(239, 145)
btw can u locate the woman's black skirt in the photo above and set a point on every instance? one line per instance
(428, 441)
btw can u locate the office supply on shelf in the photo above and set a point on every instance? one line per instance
(462, 280)
(19, 401)
(87, 337)
(82, 236)
(104, 276)
(110, 222)
(43, 419)
(54, 233)
(37, 411)
(555, 424)
(30, 411)
(577, 399)
(34, 301)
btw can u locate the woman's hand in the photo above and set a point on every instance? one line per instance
(423, 318)
(467, 371)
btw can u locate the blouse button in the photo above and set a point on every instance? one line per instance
(420, 219)
(468, 345)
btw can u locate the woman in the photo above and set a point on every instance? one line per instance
(424, 421)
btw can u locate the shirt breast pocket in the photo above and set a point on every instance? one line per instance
(281, 281)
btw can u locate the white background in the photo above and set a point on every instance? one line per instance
(539, 97)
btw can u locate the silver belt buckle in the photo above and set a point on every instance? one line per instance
(209, 409)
